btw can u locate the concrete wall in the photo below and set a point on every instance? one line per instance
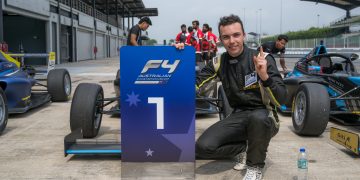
(41, 7)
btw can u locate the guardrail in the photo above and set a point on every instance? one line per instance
(344, 41)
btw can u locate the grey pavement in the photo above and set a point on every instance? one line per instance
(32, 145)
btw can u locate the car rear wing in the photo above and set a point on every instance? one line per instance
(50, 60)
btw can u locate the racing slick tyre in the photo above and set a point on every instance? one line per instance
(310, 114)
(59, 85)
(223, 104)
(86, 109)
(3, 111)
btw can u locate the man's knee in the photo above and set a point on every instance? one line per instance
(260, 126)
(259, 119)
(204, 147)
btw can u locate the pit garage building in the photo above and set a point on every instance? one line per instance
(75, 29)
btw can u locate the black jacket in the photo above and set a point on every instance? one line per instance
(232, 71)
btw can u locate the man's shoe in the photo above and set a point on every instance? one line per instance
(240, 161)
(253, 173)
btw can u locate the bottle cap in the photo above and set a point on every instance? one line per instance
(302, 149)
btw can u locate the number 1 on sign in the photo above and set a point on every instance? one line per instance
(159, 101)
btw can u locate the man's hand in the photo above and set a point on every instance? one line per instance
(285, 70)
(282, 63)
(261, 65)
(180, 46)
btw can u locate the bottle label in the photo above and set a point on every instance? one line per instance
(302, 164)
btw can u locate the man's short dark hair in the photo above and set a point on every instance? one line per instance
(206, 25)
(210, 28)
(196, 22)
(145, 19)
(183, 25)
(227, 20)
(190, 29)
(283, 37)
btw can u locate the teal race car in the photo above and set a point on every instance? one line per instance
(322, 85)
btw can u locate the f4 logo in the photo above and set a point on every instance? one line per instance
(154, 64)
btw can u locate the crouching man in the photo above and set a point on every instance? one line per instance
(253, 86)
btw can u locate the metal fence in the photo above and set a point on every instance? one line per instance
(87, 9)
(332, 42)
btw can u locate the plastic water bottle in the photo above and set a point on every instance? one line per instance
(302, 164)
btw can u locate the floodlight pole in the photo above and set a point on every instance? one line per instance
(1, 22)
(281, 17)
(260, 27)
(244, 18)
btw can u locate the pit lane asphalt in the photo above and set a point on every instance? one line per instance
(32, 145)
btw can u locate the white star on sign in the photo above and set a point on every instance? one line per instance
(149, 152)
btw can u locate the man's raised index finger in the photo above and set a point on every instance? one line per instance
(261, 52)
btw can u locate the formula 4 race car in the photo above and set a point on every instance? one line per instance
(20, 91)
(322, 85)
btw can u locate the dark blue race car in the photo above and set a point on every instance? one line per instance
(20, 91)
(322, 85)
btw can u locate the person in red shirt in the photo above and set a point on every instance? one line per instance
(198, 34)
(181, 37)
(207, 42)
(190, 30)
(213, 47)
(194, 39)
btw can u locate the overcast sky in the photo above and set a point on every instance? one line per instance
(296, 15)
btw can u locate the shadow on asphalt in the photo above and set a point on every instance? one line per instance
(215, 167)
(95, 158)
(31, 111)
(204, 116)
(291, 128)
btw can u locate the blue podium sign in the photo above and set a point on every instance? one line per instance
(157, 104)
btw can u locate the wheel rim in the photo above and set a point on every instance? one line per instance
(2, 110)
(300, 108)
(98, 110)
(67, 84)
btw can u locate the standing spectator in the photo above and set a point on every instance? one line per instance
(276, 47)
(206, 42)
(214, 44)
(190, 30)
(181, 37)
(134, 37)
(194, 39)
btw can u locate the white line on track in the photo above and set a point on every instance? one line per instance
(96, 74)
